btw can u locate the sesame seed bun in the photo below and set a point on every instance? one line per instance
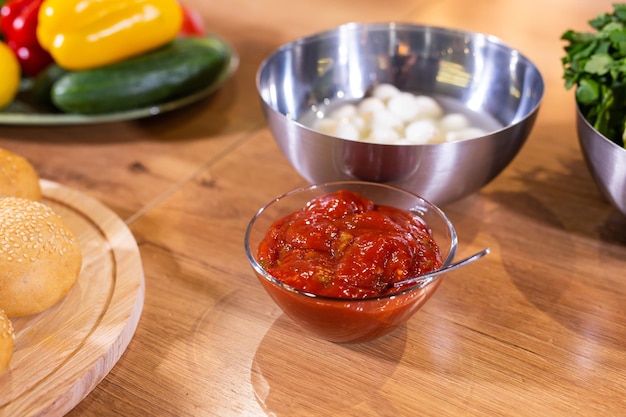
(40, 257)
(18, 178)
(7, 339)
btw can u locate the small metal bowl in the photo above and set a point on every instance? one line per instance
(474, 71)
(606, 162)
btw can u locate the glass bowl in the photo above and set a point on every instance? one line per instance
(345, 319)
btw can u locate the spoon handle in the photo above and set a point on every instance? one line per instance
(452, 266)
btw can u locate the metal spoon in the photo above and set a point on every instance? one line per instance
(433, 274)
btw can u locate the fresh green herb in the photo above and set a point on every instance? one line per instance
(595, 62)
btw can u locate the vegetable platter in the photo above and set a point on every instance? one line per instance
(137, 58)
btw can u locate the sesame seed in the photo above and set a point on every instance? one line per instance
(30, 230)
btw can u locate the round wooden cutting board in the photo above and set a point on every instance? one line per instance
(61, 354)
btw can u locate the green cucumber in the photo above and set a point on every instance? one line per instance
(177, 69)
(43, 82)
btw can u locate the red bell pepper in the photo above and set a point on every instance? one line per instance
(18, 22)
(193, 25)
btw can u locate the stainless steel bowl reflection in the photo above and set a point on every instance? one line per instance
(606, 162)
(472, 70)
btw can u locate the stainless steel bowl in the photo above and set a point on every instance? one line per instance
(606, 161)
(473, 70)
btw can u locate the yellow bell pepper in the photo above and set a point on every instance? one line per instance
(10, 74)
(83, 34)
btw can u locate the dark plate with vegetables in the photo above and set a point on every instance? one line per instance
(171, 77)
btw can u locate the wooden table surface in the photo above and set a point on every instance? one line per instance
(537, 328)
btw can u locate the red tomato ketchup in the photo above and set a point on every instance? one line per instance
(343, 245)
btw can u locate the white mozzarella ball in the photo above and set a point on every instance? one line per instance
(392, 116)
(370, 105)
(385, 91)
(468, 133)
(453, 121)
(345, 111)
(385, 119)
(453, 136)
(428, 107)
(383, 135)
(359, 122)
(325, 125)
(404, 106)
(347, 130)
(422, 131)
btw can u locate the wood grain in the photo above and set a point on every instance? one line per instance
(534, 329)
(62, 353)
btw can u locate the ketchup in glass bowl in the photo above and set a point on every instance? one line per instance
(330, 255)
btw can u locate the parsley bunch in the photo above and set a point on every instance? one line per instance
(596, 64)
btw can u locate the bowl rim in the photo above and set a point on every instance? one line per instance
(422, 284)
(395, 25)
(408, 26)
